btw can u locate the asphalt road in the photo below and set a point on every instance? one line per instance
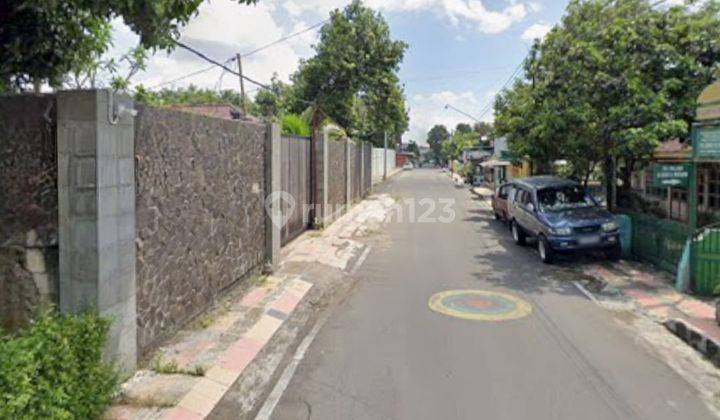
(384, 354)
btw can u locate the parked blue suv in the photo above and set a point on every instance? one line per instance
(562, 216)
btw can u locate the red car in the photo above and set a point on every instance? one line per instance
(500, 201)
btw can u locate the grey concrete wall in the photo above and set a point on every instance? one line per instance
(377, 163)
(28, 207)
(96, 193)
(200, 214)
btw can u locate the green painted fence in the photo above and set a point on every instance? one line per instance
(659, 241)
(706, 260)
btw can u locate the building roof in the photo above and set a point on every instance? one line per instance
(544, 181)
(672, 150)
(495, 162)
(709, 103)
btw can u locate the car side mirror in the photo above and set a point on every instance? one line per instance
(530, 207)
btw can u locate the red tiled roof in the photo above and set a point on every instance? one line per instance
(672, 146)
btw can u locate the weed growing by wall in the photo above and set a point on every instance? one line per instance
(53, 368)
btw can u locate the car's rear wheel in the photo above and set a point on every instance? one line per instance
(614, 253)
(517, 233)
(547, 255)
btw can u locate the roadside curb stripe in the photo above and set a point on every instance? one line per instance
(199, 402)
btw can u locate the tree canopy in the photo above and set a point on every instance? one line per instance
(353, 79)
(436, 136)
(613, 79)
(43, 40)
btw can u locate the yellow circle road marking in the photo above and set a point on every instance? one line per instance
(479, 305)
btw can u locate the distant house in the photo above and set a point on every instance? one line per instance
(672, 202)
(475, 154)
(501, 167)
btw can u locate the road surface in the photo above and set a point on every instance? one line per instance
(383, 354)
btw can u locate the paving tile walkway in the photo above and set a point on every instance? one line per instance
(653, 292)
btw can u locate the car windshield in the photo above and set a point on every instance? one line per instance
(563, 198)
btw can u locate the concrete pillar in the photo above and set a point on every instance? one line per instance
(348, 175)
(321, 179)
(96, 207)
(273, 196)
(362, 170)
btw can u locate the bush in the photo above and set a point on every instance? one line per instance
(53, 369)
(295, 125)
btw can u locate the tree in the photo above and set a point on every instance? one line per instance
(463, 128)
(413, 148)
(272, 102)
(436, 136)
(610, 82)
(483, 129)
(452, 148)
(43, 40)
(191, 95)
(352, 79)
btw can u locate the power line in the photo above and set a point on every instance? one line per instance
(512, 77)
(195, 73)
(233, 58)
(285, 38)
(221, 65)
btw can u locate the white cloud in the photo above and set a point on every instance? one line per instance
(426, 110)
(221, 29)
(536, 31)
(472, 13)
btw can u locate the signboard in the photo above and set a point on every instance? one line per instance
(708, 142)
(675, 175)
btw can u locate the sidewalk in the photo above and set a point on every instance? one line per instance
(650, 291)
(232, 352)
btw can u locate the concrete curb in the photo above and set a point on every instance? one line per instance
(200, 401)
(695, 337)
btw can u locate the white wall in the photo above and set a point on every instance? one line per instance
(377, 163)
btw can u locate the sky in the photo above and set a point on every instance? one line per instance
(461, 52)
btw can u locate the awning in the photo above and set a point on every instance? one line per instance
(495, 162)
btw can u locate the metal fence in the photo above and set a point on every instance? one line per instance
(706, 256)
(295, 180)
(659, 241)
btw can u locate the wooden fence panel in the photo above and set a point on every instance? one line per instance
(295, 181)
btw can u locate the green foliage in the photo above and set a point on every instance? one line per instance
(467, 171)
(436, 136)
(463, 128)
(452, 148)
(191, 95)
(612, 80)
(352, 79)
(273, 102)
(42, 40)
(414, 149)
(53, 369)
(295, 125)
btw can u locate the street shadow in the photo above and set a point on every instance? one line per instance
(519, 268)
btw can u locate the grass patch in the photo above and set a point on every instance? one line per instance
(171, 367)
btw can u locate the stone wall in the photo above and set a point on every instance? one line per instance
(200, 214)
(28, 206)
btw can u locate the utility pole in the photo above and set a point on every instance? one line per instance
(242, 84)
(385, 156)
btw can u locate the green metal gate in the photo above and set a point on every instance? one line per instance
(706, 259)
(659, 241)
